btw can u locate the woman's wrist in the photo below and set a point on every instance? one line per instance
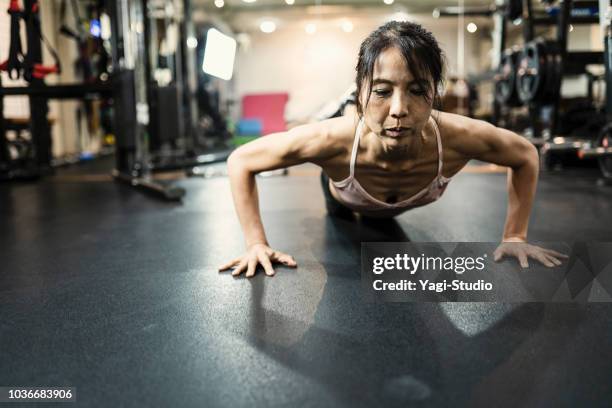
(252, 244)
(514, 238)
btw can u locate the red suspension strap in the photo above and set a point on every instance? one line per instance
(19, 64)
(14, 64)
(37, 70)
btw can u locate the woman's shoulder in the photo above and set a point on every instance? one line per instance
(450, 124)
(338, 133)
(330, 130)
(323, 140)
(468, 138)
(341, 129)
(456, 130)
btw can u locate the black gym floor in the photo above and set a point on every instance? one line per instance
(116, 293)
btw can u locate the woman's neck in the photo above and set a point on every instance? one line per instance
(391, 156)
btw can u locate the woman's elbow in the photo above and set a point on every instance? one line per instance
(236, 162)
(528, 159)
(532, 156)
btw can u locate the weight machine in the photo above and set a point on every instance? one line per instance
(126, 85)
(531, 75)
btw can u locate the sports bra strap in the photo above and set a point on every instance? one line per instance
(435, 124)
(355, 147)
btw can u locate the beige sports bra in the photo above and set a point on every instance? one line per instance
(351, 194)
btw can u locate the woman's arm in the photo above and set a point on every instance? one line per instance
(506, 148)
(476, 139)
(312, 142)
(307, 143)
(522, 182)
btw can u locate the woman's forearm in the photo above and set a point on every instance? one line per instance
(246, 202)
(522, 183)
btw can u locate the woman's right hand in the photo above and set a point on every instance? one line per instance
(258, 254)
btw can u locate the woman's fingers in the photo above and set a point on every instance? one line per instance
(555, 253)
(284, 258)
(498, 255)
(251, 260)
(522, 257)
(251, 268)
(553, 259)
(229, 264)
(267, 265)
(541, 256)
(551, 256)
(547, 257)
(240, 268)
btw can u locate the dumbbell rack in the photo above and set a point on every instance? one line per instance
(505, 11)
(543, 63)
(602, 148)
(557, 65)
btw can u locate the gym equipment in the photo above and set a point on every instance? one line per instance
(513, 9)
(17, 154)
(185, 121)
(126, 86)
(15, 59)
(91, 64)
(93, 61)
(509, 9)
(538, 72)
(541, 64)
(505, 79)
(27, 65)
(164, 76)
(604, 146)
(211, 109)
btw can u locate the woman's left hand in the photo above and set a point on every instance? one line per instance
(522, 251)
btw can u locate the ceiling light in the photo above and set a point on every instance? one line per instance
(267, 26)
(347, 26)
(192, 42)
(219, 54)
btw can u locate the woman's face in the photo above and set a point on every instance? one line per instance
(398, 108)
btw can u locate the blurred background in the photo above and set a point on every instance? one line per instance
(175, 85)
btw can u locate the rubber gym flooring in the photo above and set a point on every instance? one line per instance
(116, 293)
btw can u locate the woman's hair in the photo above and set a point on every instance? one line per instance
(421, 52)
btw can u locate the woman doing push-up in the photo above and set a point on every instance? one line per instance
(395, 153)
